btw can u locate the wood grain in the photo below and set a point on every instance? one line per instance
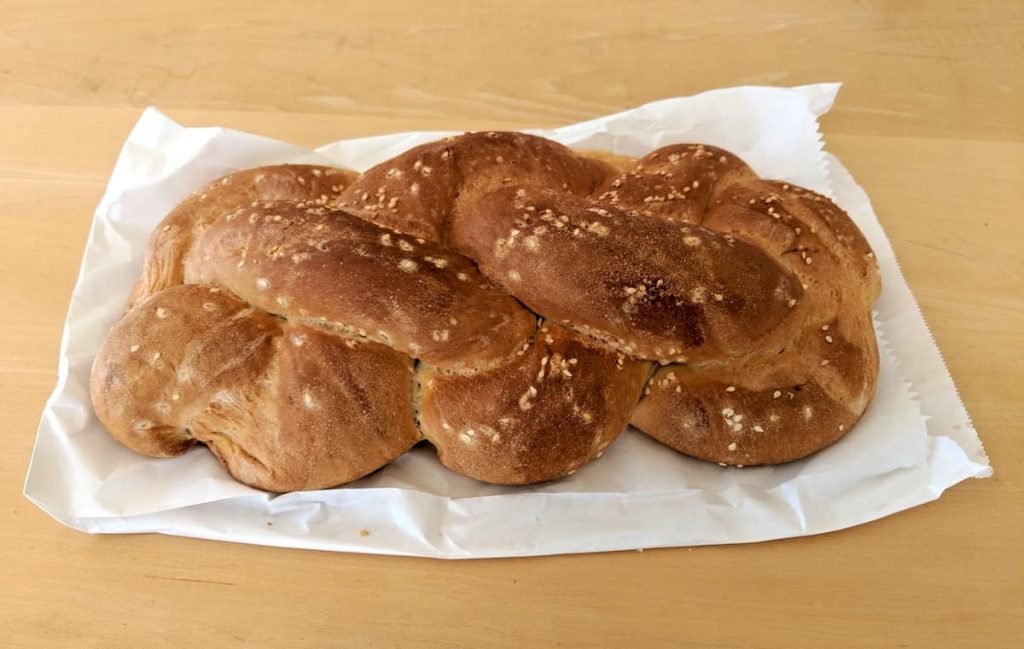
(937, 69)
(929, 123)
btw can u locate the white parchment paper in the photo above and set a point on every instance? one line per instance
(915, 441)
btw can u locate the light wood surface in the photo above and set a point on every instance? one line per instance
(930, 122)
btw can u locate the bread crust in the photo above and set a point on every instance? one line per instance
(512, 301)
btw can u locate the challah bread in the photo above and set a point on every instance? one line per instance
(314, 263)
(283, 405)
(180, 229)
(511, 301)
(648, 287)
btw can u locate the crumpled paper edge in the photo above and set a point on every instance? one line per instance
(181, 522)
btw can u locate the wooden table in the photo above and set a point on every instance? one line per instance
(930, 122)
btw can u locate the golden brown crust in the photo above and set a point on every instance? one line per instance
(332, 409)
(419, 191)
(651, 288)
(322, 288)
(179, 230)
(555, 406)
(284, 406)
(166, 354)
(776, 406)
(766, 409)
(417, 297)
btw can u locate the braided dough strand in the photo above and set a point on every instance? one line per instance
(512, 301)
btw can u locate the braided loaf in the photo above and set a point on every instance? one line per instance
(513, 302)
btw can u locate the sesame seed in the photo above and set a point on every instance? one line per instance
(524, 402)
(776, 394)
(731, 388)
(732, 447)
(408, 265)
(162, 312)
(262, 283)
(758, 428)
(134, 348)
(828, 339)
(440, 335)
